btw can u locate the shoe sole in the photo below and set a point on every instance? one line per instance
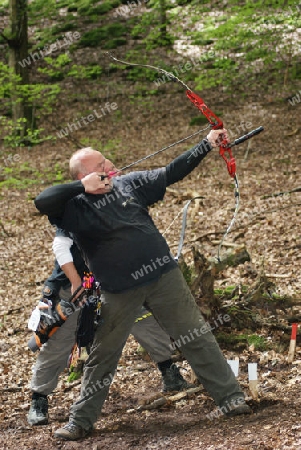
(67, 438)
(41, 422)
(243, 409)
(57, 435)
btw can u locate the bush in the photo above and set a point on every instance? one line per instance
(100, 9)
(108, 33)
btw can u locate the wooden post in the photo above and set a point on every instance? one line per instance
(292, 347)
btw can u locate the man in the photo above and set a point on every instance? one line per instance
(127, 254)
(54, 354)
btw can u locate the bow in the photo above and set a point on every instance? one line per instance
(215, 122)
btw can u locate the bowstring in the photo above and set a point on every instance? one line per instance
(237, 199)
(173, 221)
(165, 148)
(158, 69)
(173, 77)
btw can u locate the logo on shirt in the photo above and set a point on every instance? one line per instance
(129, 200)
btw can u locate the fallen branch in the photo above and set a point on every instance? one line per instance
(293, 132)
(4, 230)
(298, 189)
(275, 275)
(154, 403)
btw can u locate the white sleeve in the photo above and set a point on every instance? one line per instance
(61, 248)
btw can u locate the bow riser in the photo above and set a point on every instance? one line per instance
(215, 121)
(217, 124)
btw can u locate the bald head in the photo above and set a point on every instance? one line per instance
(86, 161)
(82, 162)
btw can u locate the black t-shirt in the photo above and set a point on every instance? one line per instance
(120, 241)
(116, 235)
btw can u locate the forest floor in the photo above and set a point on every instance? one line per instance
(269, 227)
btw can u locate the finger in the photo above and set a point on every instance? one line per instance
(43, 307)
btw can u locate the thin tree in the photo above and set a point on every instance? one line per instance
(163, 19)
(17, 39)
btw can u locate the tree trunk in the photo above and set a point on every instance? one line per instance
(18, 51)
(163, 19)
(205, 272)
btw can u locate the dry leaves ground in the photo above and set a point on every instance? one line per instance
(269, 227)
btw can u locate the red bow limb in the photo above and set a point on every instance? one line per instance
(216, 123)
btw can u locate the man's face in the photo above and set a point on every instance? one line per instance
(96, 162)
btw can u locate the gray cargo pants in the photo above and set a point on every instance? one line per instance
(54, 354)
(173, 306)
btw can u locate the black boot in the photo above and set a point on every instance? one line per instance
(173, 380)
(38, 412)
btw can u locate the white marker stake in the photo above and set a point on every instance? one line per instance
(292, 347)
(234, 364)
(253, 380)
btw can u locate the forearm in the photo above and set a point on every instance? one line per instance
(52, 200)
(61, 247)
(185, 163)
(72, 274)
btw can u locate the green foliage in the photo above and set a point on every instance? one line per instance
(73, 374)
(84, 6)
(40, 96)
(59, 173)
(259, 342)
(136, 73)
(141, 73)
(187, 271)
(59, 68)
(114, 43)
(61, 61)
(54, 66)
(103, 8)
(183, 2)
(199, 120)
(91, 71)
(23, 174)
(88, 7)
(201, 41)
(242, 341)
(3, 5)
(69, 24)
(40, 8)
(155, 39)
(13, 134)
(250, 40)
(109, 36)
(149, 27)
(227, 293)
